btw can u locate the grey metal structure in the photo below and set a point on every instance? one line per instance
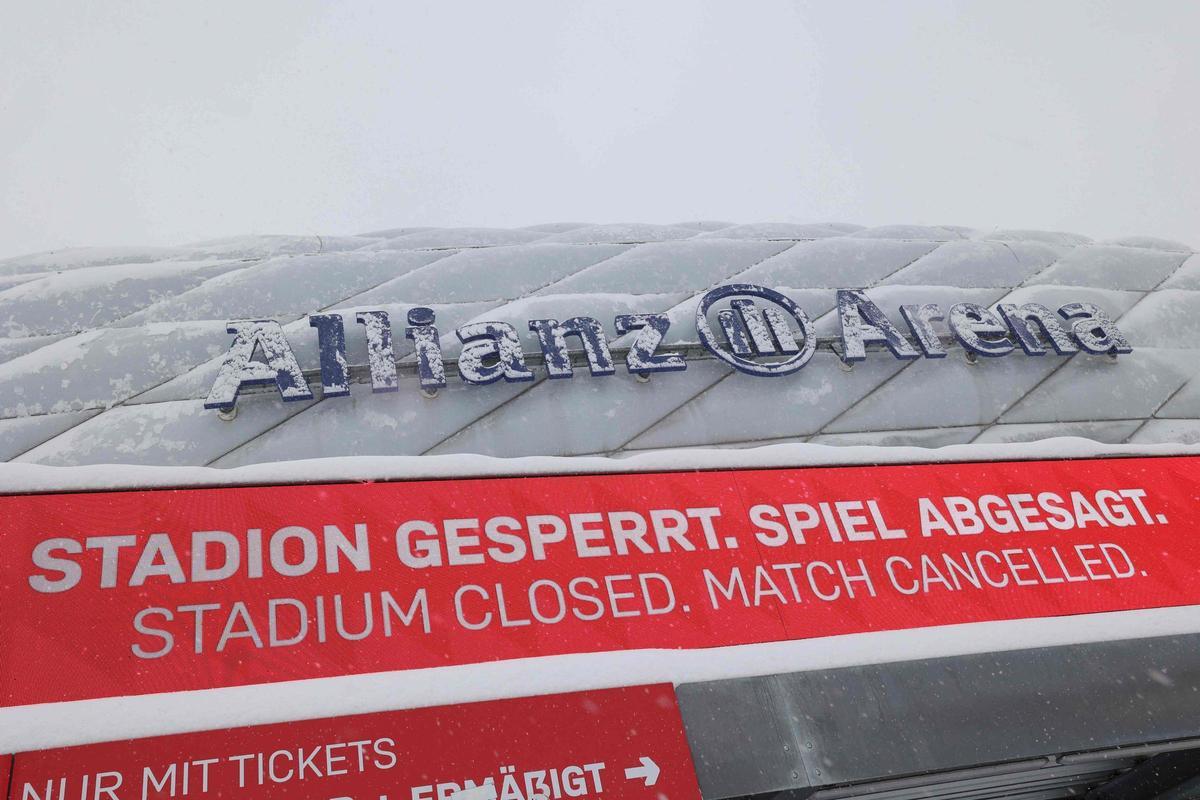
(1041, 723)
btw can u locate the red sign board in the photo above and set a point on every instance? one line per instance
(617, 744)
(5, 771)
(120, 593)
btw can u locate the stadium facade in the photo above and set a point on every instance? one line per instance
(793, 501)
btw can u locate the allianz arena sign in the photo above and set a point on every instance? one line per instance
(759, 332)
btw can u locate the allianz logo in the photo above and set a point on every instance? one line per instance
(758, 331)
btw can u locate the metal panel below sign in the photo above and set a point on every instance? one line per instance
(801, 731)
(617, 744)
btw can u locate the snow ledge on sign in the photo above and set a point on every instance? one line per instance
(22, 478)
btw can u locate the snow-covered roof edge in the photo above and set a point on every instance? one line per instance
(41, 479)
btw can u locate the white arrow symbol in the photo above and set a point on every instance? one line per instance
(648, 771)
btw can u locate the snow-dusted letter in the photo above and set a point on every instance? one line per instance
(331, 342)
(863, 323)
(979, 330)
(240, 369)
(380, 355)
(553, 334)
(1022, 319)
(428, 345)
(643, 357)
(491, 351)
(1094, 331)
(920, 320)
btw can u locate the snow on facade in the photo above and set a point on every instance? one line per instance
(108, 354)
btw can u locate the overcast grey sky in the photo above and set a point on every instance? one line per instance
(161, 123)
